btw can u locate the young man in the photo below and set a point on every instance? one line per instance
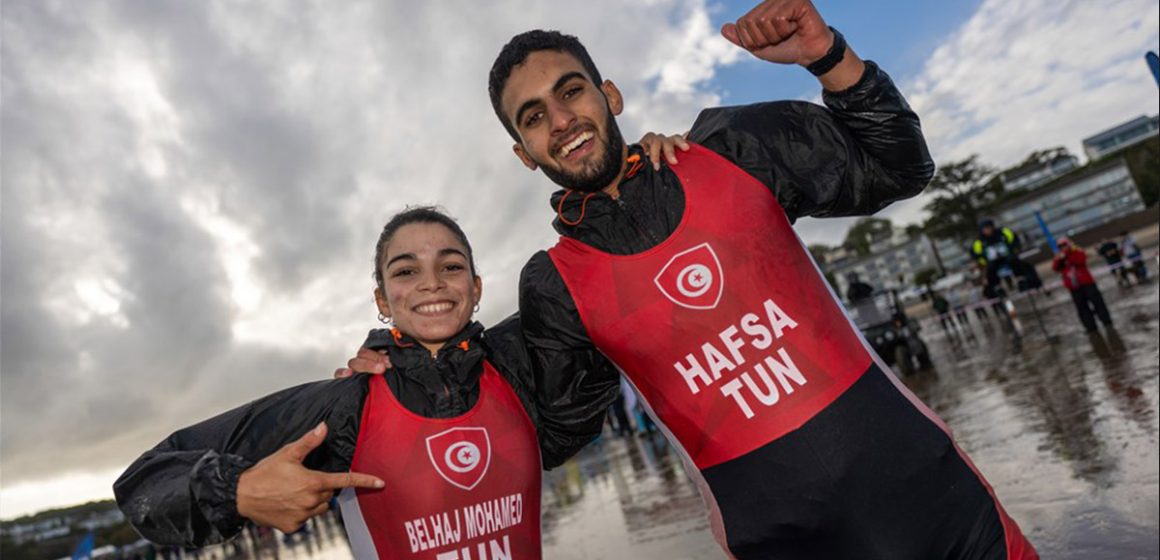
(690, 280)
(997, 249)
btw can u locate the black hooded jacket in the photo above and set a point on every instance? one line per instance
(184, 490)
(861, 152)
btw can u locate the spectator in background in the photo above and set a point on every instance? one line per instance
(1071, 262)
(958, 300)
(943, 308)
(860, 296)
(1135, 257)
(856, 289)
(997, 252)
(618, 412)
(1110, 251)
(976, 295)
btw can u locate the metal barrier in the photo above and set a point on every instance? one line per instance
(1055, 283)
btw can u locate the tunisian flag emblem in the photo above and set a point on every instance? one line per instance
(460, 455)
(693, 278)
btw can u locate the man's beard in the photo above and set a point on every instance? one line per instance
(606, 169)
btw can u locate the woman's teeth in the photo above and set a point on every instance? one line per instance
(434, 307)
(567, 148)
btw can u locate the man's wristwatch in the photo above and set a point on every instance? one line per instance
(831, 58)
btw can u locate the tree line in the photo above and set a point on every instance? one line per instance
(964, 192)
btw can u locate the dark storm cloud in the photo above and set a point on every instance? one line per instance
(192, 192)
(83, 384)
(241, 136)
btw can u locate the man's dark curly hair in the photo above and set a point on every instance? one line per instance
(516, 52)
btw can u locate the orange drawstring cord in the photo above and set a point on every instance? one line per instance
(635, 164)
(583, 208)
(399, 338)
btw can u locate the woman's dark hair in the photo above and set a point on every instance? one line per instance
(516, 52)
(418, 215)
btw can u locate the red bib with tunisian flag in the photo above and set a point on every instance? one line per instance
(726, 329)
(462, 488)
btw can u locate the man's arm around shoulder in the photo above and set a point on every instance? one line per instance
(574, 382)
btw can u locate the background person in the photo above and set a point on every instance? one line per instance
(1110, 251)
(1135, 257)
(997, 252)
(856, 289)
(1071, 263)
(942, 306)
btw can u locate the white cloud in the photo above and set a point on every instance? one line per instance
(1031, 74)
(193, 192)
(1023, 75)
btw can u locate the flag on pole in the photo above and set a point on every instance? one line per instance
(1154, 64)
(1046, 232)
(84, 549)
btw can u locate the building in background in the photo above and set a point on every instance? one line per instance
(1071, 199)
(1077, 202)
(891, 264)
(1121, 136)
(1037, 172)
(953, 255)
(834, 255)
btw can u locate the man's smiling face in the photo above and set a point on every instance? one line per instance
(566, 123)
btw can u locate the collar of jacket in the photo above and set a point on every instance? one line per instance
(456, 365)
(577, 210)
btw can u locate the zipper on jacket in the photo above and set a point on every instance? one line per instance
(623, 209)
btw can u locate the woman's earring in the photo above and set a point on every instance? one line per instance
(476, 308)
(384, 319)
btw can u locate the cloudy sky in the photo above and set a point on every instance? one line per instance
(192, 190)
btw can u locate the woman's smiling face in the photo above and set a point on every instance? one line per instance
(430, 289)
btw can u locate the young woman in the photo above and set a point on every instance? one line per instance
(1071, 263)
(438, 456)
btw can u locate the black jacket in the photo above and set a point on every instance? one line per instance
(863, 152)
(184, 490)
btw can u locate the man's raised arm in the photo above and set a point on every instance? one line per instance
(860, 153)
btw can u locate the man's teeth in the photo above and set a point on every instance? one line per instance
(567, 149)
(434, 307)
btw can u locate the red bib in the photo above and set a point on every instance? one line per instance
(463, 488)
(727, 328)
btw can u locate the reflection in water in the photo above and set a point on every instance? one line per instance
(1065, 407)
(1062, 425)
(1123, 382)
(637, 503)
(322, 538)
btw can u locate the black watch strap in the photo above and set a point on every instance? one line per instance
(832, 57)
